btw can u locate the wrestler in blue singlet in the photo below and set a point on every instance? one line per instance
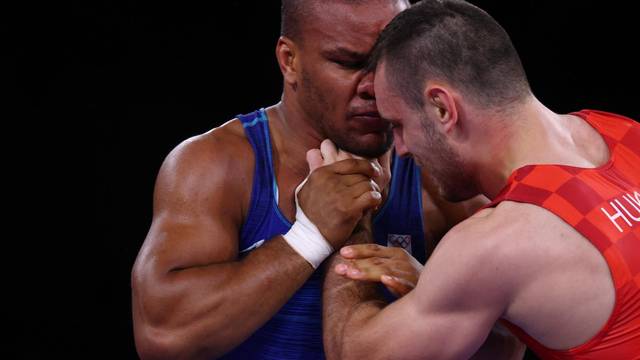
(295, 332)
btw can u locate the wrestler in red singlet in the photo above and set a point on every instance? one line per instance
(602, 204)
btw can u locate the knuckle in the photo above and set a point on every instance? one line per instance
(349, 163)
(399, 264)
(373, 247)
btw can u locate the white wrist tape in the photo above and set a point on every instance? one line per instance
(305, 238)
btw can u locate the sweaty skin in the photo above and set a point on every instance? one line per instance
(364, 261)
(517, 261)
(189, 281)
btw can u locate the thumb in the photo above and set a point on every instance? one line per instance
(314, 159)
(329, 151)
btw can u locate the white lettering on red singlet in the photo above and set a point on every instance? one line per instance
(627, 212)
(634, 218)
(634, 200)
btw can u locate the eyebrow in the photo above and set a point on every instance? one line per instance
(340, 51)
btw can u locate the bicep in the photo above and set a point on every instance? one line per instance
(447, 316)
(196, 217)
(407, 329)
(180, 241)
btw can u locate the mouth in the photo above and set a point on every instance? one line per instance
(372, 113)
(370, 121)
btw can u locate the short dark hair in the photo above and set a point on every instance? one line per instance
(453, 41)
(294, 13)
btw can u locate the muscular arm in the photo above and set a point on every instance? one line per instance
(460, 295)
(192, 296)
(342, 296)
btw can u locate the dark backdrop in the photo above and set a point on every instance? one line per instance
(146, 75)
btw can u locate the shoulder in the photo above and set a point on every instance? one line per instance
(220, 151)
(218, 161)
(504, 232)
(495, 248)
(220, 146)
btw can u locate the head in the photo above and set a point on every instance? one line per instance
(322, 52)
(438, 66)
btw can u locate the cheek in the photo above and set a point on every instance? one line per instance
(330, 92)
(339, 83)
(420, 145)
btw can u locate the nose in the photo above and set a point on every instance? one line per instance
(365, 87)
(401, 148)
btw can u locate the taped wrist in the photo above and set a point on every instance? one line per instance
(305, 237)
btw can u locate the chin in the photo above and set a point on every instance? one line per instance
(370, 145)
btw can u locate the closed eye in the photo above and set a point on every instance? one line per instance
(353, 65)
(346, 58)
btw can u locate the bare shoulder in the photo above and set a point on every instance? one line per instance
(221, 147)
(515, 240)
(221, 158)
(471, 267)
(495, 244)
(200, 200)
(504, 231)
(525, 230)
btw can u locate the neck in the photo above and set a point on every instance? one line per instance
(524, 135)
(292, 135)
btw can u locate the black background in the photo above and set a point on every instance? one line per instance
(128, 81)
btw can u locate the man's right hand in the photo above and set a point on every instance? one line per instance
(336, 196)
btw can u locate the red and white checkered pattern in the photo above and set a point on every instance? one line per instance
(601, 204)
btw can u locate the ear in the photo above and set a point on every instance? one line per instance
(442, 104)
(286, 52)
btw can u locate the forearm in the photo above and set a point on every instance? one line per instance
(205, 311)
(346, 301)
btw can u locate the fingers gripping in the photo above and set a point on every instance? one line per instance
(357, 166)
(362, 251)
(329, 152)
(392, 266)
(314, 159)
